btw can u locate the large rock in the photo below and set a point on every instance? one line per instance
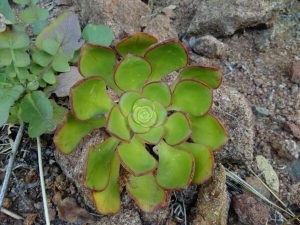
(233, 110)
(213, 200)
(123, 17)
(222, 18)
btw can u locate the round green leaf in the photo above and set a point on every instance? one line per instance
(209, 75)
(166, 57)
(51, 46)
(175, 169)
(158, 92)
(145, 192)
(71, 131)
(204, 161)
(117, 124)
(33, 13)
(136, 127)
(208, 131)
(98, 34)
(153, 136)
(178, 128)
(127, 101)
(97, 168)
(132, 73)
(137, 44)
(98, 60)
(192, 97)
(108, 201)
(135, 158)
(161, 113)
(88, 98)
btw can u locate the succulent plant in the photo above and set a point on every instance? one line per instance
(164, 136)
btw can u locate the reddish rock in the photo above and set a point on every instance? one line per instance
(250, 211)
(295, 72)
(293, 129)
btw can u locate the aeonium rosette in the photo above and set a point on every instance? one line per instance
(174, 122)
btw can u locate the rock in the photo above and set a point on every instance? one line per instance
(210, 47)
(250, 211)
(293, 129)
(69, 211)
(26, 205)
(260, 111)
(295, 72)
(213, 200)
(294, 89)
(257, 185)
(280, 104)
(268, 172)
(262, 40)
(123, 17)
(294, 170)
(160, 27)
(287, 149)
(233, 110)
(224, 19)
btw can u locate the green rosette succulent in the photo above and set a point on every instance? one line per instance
(164, 136)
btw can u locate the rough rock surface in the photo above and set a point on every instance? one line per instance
(213, 200)
(288, 149)
(295, 72)
(123, 17)
(210, 47)
(250, 211)
(233, 110)
(222, 19)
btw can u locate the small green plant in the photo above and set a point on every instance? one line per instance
(163, 136)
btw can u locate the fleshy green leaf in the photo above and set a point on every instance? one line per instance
(137, 44)
(37, 110)
(209, 75)
(108, 201)
(158, 92)
(136, 127)
(208, 131)
(161, 113)
(64, 30)
(98, 34)
(178, 128)
(33, 13)
(132, 73)
(166, 57)
(98, 164)
(135, 158)
(175, 169)
(153, 136)
(192, 97)
(71, 131)
(98, 60)
(204, 161)
(145, 192)
(89, 98)
(117, 124)
(127, 101)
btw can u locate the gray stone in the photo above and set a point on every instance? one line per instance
(224, 18)
(287, 149)
(210, 47)
(260, 111)
(294, 170)
(213, 200)
(294, 89)
(264, 38)
(233, 110)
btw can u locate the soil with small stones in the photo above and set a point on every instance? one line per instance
(262, 77)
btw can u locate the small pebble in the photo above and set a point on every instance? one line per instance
(294, 89)
(7, 202)
(260, 111)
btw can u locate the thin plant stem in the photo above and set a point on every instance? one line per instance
(42, 181)
(11, 163)
(11, 214)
